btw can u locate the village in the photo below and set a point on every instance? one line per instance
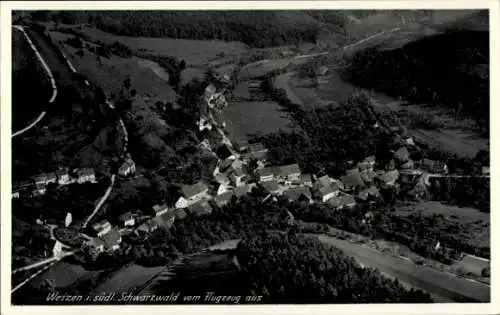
(241, 169)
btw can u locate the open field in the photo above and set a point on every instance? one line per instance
(260, 68)
(476, 224)
(188, 74)
(126, 278)
(438, 283)
(246, 118)
(146, 76)
(303, 91)
(194, 52)
(472, 264)
(63, 274)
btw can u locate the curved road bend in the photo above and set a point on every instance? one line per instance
(49, 74)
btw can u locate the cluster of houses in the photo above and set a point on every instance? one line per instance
(37, 185)
(242, 167)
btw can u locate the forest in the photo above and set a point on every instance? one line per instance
(292, 268)
(449, 70)
(254, 28)
(331, 136)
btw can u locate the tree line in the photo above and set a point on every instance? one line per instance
(448, 70)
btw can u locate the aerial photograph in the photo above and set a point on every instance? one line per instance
(250, 157)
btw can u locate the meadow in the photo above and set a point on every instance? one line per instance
(245, 119)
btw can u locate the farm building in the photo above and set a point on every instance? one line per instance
(85, 175)
(194, 192)
(342, 201)
(298, 194)
(369, 193)
(326, 192)
(388, 178)
(268, 173)
(237, 177)
(95, 246)
(433, 166)
(126, 219)
(63, 177)
(45, 179)
(101, 228)
(112, 240)
(352, 180)
(271, 187)
(222, 179)
(127, 168)
(289, 173)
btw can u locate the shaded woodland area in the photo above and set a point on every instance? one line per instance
(254, 28)
(449, 70)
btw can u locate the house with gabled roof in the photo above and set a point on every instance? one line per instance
(112, 240)
(160, 209)
(342, 201)
(222, 179)
(102, 227)
(63, 177)
(352, 180)
(85, 175)
(388, 178)
(326, 192)
(45, 178)
(267, 174)
(241, 145)
(289, 173)
(367, 164)
(369, 193)
(271, 187)
(95, 246)
(238, 177)
(192, 193)
(127, 168)
(433, 166)
(126, 219)
(298, 194)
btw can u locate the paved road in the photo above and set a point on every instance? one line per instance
(49, 74)
(439, 283)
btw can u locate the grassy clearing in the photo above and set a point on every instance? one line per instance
(188, 74)
(246, 118)
(470, 264)
(260, 68)
(146, 76)
(127, 278)
(194, 52)
(63, 274)
(476, 224)
(442, 284)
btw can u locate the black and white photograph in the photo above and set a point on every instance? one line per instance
(248, 157)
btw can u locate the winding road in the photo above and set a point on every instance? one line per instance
(49, 74)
